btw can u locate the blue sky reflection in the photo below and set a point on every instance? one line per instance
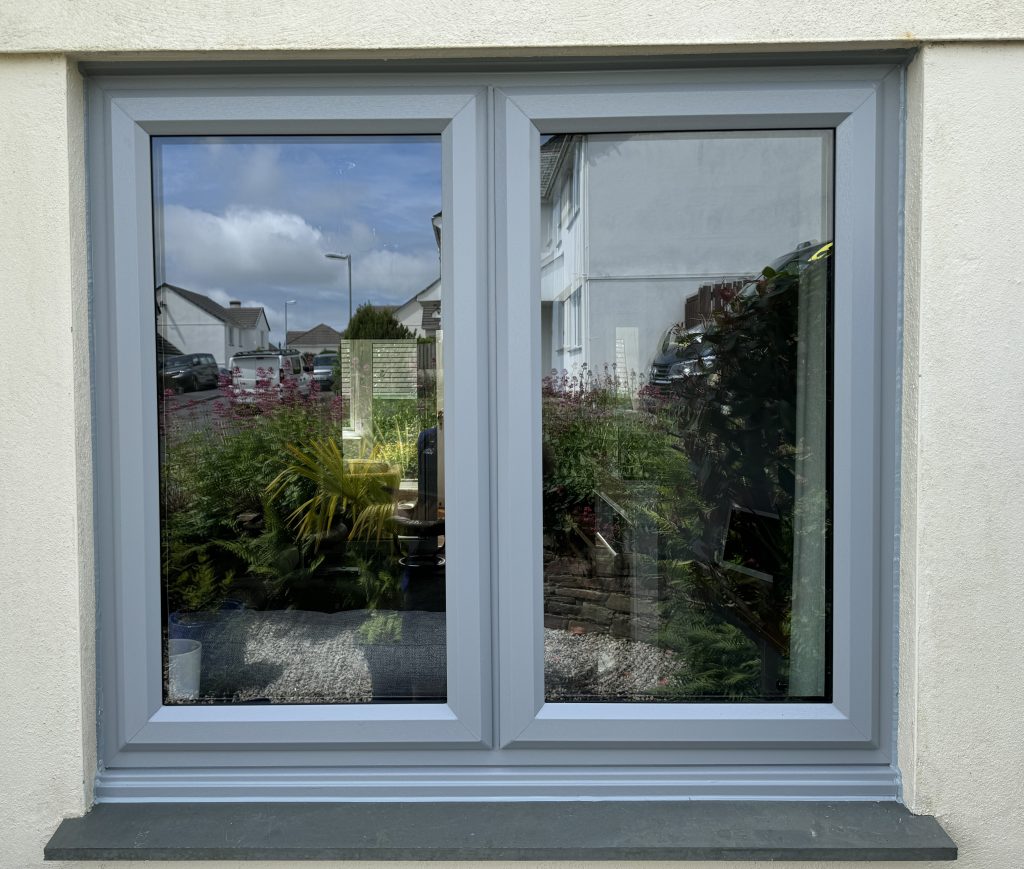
(251, 219)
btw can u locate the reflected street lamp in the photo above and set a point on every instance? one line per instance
(348, 258)
(286, 304)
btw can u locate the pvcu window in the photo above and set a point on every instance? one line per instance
(659, 565)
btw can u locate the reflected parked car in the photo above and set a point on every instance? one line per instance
(685, 355)
(189, 372)
(324, 366)
(680, 355)
(793, 262)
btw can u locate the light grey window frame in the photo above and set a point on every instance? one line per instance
(496, 738)
(864, 111)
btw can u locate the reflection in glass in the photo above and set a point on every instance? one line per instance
(301, 465)
(685, 282)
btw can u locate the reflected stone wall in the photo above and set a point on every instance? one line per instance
(599, 593)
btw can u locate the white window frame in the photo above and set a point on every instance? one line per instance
(496, 738)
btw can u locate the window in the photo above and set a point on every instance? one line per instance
(572, 335)
(666, 571)
(571, 182)
(566, 199)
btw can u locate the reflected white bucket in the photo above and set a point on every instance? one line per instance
(183, 658)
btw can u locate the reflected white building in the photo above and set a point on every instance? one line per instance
(194, 323)
(632, 226)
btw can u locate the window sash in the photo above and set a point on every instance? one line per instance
(856, 722)
(125, 115)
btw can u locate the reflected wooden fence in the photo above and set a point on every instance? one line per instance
(395, 369)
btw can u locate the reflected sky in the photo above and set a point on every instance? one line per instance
(251, 218)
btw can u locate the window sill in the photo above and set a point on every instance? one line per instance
(631, 830)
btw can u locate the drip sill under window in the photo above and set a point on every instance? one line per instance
(604, 830)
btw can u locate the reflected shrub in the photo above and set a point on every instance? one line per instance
(214, 475)
(600, 436)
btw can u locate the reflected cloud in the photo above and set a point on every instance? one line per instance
(251, 219)
(261, 256)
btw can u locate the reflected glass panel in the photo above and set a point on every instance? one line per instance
(686, 286)
(298, 338)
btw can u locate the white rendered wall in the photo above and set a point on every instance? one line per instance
(410, 315)
(373, 27)
(192, 330)
(963, 510)
(248, 339)
(702, 205)
(962, 607)
(47, 706)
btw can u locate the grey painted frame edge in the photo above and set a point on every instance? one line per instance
(860, 112)
(562, 781)
(131, 714)
(182, 79)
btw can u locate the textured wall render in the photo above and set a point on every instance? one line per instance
(475, 25)
(970, 472)
(46, 695)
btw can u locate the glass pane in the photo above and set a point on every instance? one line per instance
(685, 281)
(301, 438)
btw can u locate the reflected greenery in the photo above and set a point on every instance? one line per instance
(702, 479)
(275, 508)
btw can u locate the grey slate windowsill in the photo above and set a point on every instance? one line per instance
(713, 830)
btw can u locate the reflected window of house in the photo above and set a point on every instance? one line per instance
(572, 319)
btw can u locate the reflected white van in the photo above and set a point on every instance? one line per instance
(268, 373)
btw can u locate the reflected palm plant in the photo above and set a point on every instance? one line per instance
(359, 493)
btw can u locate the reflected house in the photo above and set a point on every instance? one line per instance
(164, 349)
(320, 339)
(421, 314)
(195, 323)
(643, 232)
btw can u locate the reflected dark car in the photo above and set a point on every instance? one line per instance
(189, 372)
(683, 356)
(323, 369)
(793, 262)
(680, 356)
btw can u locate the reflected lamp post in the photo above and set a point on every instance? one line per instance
(348, 259)
(286, 304)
